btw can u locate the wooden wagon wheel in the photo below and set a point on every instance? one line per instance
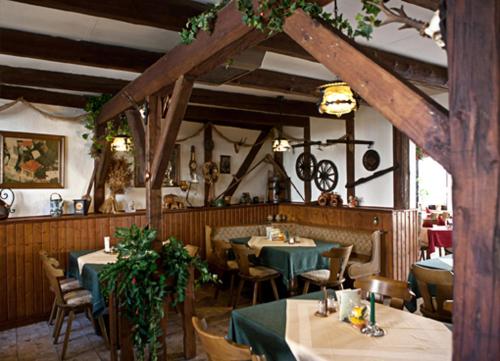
(326, 176)
(305, 166)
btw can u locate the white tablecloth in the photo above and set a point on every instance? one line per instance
(409, 337)
(98, 257)
(258, 242)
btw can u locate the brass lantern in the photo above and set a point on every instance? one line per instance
(337, 99)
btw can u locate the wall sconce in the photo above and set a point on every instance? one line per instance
(375, 221)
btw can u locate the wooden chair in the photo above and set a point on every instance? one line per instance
(255, 274)
(67, 284)
(222, 266)
(69, 304)
(192, 250)
(219, 348)
(332, 277)
(387, 290)
(442, 282)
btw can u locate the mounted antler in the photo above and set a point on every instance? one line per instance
(395, 15)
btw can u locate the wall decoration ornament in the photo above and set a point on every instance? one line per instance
(305, 166)
(225, 164)
(326, 176)
(371, 160)
(172, 174)
(31, 160)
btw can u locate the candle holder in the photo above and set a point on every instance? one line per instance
(372, 329)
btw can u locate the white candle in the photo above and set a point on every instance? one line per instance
(107, 247)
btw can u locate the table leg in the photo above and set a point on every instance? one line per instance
(293, 287)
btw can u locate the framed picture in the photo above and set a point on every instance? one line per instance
(31, 160)
(225, 164)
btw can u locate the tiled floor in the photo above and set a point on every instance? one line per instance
(34, 342)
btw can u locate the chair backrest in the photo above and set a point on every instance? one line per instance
(219, 255)
(442, 282)
(396, 293)
(242, 252)
(192, 249)
(54, 274)
(339, 256)
(220, 349)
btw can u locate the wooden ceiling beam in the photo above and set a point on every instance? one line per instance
(411, 69)
(57, 80)
(45, 47)
(42, 96)
(259, 79)
(208, 114)
(171, 14)
(282, 82)
(197, 114)
(230, 35)
(19, 43)
(408, 108)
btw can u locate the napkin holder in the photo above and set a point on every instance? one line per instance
(346, 299)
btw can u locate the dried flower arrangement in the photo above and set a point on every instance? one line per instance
(118, 179)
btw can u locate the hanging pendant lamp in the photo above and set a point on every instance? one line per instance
(337, 99)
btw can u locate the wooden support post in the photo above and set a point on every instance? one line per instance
(208, 147)
(136, 127)
(401, 177)
(350, 152)
(307, 150)
(153, 194)
(170, 128)
(101, 165)
(408, 108)
(231, 189)
(474, 68)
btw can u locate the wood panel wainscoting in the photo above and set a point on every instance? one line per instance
(24, 291)
(25, 296)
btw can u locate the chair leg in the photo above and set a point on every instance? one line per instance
(231, 289)
(240, 288)
(275, 289)
(306, 287)
(52, 312)
(255, 292)
(104, 332)
(88, 310)
(68, 332)
(59, 321)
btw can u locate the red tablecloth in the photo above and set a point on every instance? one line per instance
(439, 237)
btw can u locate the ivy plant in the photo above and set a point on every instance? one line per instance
(142, 278)
(271, 15)
(93, 108)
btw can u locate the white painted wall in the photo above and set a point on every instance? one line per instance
(79, 165)
(369, 125)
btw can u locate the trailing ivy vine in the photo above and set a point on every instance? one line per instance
(271, 16)
(113, 128)
(141, 279)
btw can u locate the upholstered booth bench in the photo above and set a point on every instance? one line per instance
(365, 259)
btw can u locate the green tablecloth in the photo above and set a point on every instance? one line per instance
(263, 328)
(89, 279)
(292, 261)
(435, 263)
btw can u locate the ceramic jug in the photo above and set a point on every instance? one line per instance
(56, 205)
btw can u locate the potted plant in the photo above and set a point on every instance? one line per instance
(142, 278)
